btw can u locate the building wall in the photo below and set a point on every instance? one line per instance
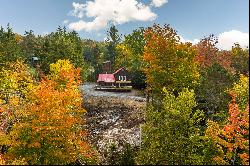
(122, 75)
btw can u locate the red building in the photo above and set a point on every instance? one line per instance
(119, 80)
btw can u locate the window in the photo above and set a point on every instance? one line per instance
(122, 78)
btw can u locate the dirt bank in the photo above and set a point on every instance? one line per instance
(113, 118)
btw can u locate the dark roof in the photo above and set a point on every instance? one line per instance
(106, 78)
(122, 68)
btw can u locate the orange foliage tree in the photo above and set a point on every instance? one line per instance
(169, 63)
(50, 127)
(208, 53)
(232, 140)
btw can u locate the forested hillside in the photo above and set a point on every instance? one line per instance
(197, 108)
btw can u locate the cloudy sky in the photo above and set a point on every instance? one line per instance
(193, 19)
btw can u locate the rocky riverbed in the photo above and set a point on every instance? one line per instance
(113, 118)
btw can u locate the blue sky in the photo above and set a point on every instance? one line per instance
(193, 19)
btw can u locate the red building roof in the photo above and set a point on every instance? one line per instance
(106, 78)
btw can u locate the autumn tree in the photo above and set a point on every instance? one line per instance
(130, 55)
(232, 140)
(211, 92)
(206, 51)
(241, 88)
(49, 129)
(240, 60)
(216, 76)
(169, 63)
(10, 50)
(171, 135)
(15, 80)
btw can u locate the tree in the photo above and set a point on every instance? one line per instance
(49, 128)
(241, 88)
(15, 81)
(93, 55)
(240, 60)
(30, 44)
(62, 45)
(169, 63)
(216, 76)
(10, 50)
(208, 54)
(171, 135)
(206, 51)
(113, 35)
(232, 140)
(113, 39)
(130, 55)
(211, 91)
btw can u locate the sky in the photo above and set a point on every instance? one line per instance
(193, 19)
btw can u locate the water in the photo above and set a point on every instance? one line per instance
(88, 90)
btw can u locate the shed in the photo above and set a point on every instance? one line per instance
(119, 80)
(122, 75)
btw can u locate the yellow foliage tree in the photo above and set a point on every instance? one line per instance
(50, 128)
(169, 63)
(15, 80)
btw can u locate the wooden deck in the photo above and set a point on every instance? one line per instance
(113, 88)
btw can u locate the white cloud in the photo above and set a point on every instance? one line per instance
(44, 33)
(65, 21)
(115, 11)
(159, 3)
(227, 39)
(78, 10)
(195, 41)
